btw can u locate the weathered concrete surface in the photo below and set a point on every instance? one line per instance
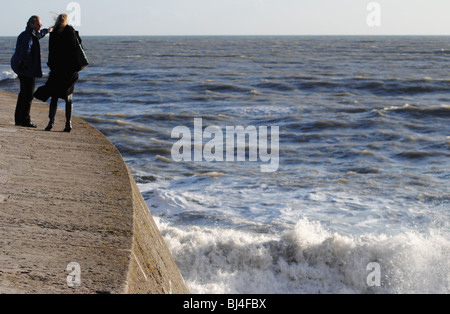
(70, 198)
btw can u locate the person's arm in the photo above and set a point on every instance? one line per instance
(43, 33)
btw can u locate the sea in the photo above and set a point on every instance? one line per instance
(360, 200)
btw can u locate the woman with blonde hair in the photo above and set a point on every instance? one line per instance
(62, 62)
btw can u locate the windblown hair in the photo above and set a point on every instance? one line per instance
(61, 22)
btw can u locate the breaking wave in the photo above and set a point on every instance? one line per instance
(307, 259)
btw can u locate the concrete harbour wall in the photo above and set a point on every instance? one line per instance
(69, 199)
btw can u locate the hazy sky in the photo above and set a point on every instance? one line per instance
(235, 17)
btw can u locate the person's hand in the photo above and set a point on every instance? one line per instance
(50, 29)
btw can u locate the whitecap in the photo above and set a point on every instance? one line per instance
(306, 259)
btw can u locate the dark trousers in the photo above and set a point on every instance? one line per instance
(23, 107)
(54, 108)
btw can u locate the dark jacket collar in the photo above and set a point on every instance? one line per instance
(31, 31)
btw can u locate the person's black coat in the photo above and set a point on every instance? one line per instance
(62, 63)
(62, 50)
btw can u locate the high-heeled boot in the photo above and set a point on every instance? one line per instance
(69, 108)
(52, 114)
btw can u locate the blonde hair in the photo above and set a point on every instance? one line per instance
(61, 22)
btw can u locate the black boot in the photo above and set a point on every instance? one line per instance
(69, 108)
(52, 114)
(68, 127)
(49, 126)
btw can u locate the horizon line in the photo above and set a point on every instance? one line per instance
(262, 35)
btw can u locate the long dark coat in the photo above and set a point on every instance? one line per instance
(62, 64)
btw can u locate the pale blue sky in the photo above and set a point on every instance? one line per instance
(236, 17)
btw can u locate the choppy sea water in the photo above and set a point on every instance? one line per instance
(364, 155)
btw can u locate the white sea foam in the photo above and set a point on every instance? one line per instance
(7, 75)
(307, 259)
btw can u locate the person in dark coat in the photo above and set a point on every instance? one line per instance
(26, 63)
(63, 70)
